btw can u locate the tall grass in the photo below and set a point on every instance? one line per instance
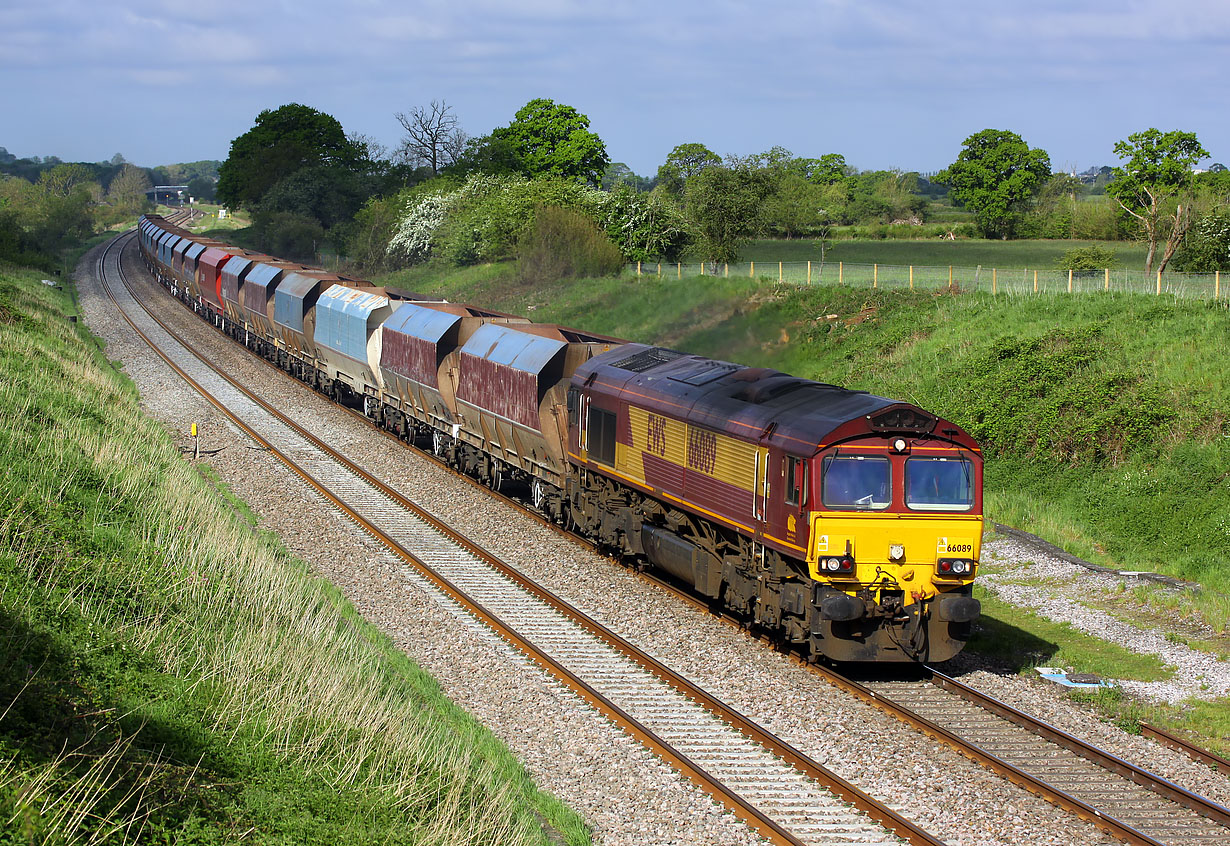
(165, 673)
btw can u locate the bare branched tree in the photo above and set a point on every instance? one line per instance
(434, 137)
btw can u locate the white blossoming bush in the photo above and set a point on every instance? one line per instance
(484, 219)
(412, 239)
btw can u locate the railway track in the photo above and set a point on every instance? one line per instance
(1126, 801)
(783, 794)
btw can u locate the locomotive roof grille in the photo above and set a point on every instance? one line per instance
(903, 420)
(646, 359)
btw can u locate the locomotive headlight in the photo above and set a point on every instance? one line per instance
(896, 552)
(954, 567)
(900, 445)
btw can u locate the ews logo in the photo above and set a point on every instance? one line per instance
(655, 437)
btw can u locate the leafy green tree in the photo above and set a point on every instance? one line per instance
(829, 169)
(63, 215)
(684, 162)
(1155, 186)
(547, 138)
(618, 173)
(202, 189)
(328, 194)
(795, 206)
(489, 154)
(284, 140)
(724, 205)
(126, 193)
(995, 176)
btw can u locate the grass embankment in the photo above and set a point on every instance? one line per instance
(168, 675)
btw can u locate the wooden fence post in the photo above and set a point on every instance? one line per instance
(779, 272)
(702, 268)
(751, 270)
(1217, 285)
(1159, 283)
(911, 277)
(638, 268)
(1107, 286)
(840, 271)
(679, 269)
(726, 271)
(993, 281)
(950, 276)
(875, 276)
(809, 271)
(1069, 280)
(1035, 281)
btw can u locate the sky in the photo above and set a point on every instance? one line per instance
(886, 83)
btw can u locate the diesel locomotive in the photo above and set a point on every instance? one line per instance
(846, 524)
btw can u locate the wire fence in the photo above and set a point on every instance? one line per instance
(1207, 286)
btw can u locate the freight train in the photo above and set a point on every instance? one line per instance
(847, 525)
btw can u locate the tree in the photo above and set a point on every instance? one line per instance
(434, 136)
(550, 139)
(796, 205)
(327, 194)
(283, 141)
(829, 169)
(1155, 186)
(618, 173)
(126, 193)
(201, 188)
(1206, 248)
(724, 204)
(684, 162)
(995, 176)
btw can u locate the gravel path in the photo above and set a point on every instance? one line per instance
(1199, 675)
(627, 794)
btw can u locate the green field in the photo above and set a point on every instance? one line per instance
(1035, 255)
(170, 675)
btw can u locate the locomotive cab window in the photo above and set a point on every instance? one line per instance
(939, 484)
(796, 481)
(601, 436)
(856, 482)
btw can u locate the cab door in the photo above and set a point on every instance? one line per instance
(786, 494)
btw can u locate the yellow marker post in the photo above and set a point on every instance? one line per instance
(196, 447)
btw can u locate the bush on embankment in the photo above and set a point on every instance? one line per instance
(1106, 418)
(168, 675)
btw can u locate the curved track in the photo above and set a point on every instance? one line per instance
(786, 796)
(1126, 801)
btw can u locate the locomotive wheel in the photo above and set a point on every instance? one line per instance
(496, 478)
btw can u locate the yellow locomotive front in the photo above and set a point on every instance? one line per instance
(896, 534)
